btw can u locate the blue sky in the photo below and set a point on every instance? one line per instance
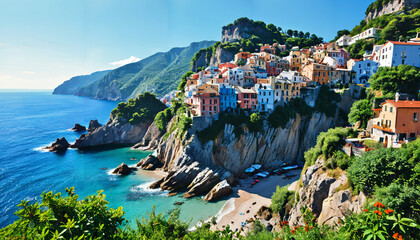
(44, 42)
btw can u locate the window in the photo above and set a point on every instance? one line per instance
(204, 101)
(412, 135)
(385, 108)
(204, 108)
(215, 101)
(214, 108)
(390, 109)
(415, 117)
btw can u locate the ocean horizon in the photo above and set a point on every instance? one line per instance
(32, 119)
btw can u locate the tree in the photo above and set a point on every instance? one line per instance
(341, 33)
(361, 111)
(307, 35)
(183, 82)
(403, 78)
(240, 62)
(290, 32)
(282, 197)
(295, 33)
(301, 34)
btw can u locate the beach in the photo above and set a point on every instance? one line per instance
(246, 200)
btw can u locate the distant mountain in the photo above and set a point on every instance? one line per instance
(71, 86)
(159, 73)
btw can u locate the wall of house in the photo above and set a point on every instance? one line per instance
(406, 122)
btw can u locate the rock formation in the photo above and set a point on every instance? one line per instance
(115, 132)
(60, 145)
(222, 189)
(149, 163)
(150, 140)
(323, 195)
(390, 7)
(78, 128)
(123, 169)
(93, 125)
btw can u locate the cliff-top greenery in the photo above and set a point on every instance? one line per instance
(141, 109)
(376, 4)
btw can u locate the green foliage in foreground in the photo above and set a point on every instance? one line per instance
(141, 109)
(403, 78)
(361, 111)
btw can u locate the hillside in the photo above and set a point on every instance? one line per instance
(159, 73)
(247, 35)
(71, 86)
(382, 7)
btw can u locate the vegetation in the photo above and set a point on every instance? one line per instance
(207, 52)
(162, 119)
(327, 143)
(282, 114)
(326, 101)
(341, 33)
(281, 200)
(141, 109)
(181, 86)
(359, 48)
(361, 111)
(403, 78)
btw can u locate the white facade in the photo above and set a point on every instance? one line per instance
(343, 41)
(265, 97)
(396, 53)
(363, 70)
(235, 76)
(330, 61)
(369, 33)
(292, 76)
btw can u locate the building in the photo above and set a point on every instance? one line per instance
(268, 49)
(343, 41)
(206, 103)
(275, 67)
(248, 75)
(242, 56)
(227, 96)
(204, 87)
(317, 72)
(247, 98)
(235, 76)
(265, 97)
(363, 70)
(396, 53)
(340, 56)
(398, 122)
(369, 33)
(344, 75)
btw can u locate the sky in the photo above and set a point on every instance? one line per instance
(45, 42)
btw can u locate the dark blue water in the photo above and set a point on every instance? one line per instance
(30, 120)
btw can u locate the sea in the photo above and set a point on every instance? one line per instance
(30, 120)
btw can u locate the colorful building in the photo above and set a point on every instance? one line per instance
(396, 53)
(206, 103)
(265, 97)
(363, 70)
(247, 98)
(317, 72)
(227, 96)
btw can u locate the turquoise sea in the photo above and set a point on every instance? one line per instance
(31, 120)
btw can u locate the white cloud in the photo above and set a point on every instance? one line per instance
(29, 72)
(123, 62)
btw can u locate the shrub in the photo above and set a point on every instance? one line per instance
(403, 78)
(282, 199)
(361, 111)
(181, 86)
(255, 122)
(327, 101)
(162, 118)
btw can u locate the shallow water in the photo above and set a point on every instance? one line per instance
(31, 120)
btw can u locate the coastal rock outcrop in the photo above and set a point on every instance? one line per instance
(115, 132)
(150, 140)
(149, 163)
(222, 189)
(123, 169)
(60, 145)
(324, 196)
(93, 125)
(202, 183)
(78, 128)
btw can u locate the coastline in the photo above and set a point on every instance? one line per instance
(246, 201)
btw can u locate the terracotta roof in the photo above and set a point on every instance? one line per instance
(404, 43)
(404, 104)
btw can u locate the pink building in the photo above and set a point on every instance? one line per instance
(206, 103)
(247, 98)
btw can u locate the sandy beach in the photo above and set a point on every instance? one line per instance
(156, 174)
(246, 200)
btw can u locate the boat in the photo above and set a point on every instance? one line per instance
(250, 170)
(290, 168)
(256, 166)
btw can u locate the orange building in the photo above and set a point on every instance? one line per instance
(317, 72)
(242, 56)
(398, 121)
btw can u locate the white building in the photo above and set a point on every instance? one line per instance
(396, 53)
(369, 33)
(330, 61)
(293, 76)
(235, 76)
(343, 41)
(265, 97)
(363, 70)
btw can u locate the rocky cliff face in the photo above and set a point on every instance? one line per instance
(115, 132)
(326, 196)
(390, 7)
(221, 56)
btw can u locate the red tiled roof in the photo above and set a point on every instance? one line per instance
(404, 104)
(404, 43)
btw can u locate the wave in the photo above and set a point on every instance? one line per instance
(143, 190)
(228, 207)
(41, 149)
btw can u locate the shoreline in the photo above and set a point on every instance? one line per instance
(245, 200)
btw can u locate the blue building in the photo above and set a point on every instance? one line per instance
(227, 97)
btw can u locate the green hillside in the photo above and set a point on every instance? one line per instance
(159, 74)
(71, 86)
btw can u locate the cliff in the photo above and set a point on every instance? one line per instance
(326, 194)
(71, 86)
(197, 167)
(382, 7)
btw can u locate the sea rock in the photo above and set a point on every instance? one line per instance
(150, 140)
(60, 145)
(123, 169)
(115, 132)
(202, 183)
(149, 163)
(78, 128)
(180, 179)
(93, 125)
(222, 189)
